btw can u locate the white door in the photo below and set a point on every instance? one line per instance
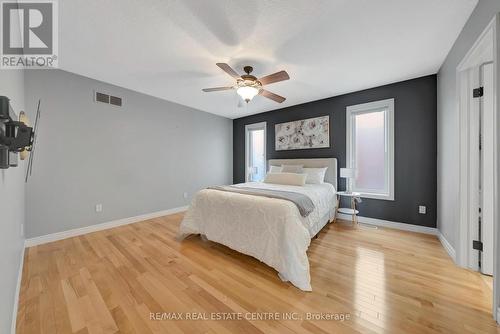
(487, 167)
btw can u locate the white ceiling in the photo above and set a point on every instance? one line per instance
(168, 48)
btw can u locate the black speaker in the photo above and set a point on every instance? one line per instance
(4, 108)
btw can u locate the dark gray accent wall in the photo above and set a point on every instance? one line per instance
(415, 145)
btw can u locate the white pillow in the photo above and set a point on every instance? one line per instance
(291, 168)
(275, 169)
(292, 179)
(315, 175)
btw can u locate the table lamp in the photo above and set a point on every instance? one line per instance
(348, 174)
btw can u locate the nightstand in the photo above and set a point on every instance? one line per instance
(352, 211)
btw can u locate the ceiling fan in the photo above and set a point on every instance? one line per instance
(247, 85)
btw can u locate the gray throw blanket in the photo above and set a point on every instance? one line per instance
(303, 202)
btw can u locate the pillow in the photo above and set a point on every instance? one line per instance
(275, 169)
(292, 179)
(315, 175)
(291, 169)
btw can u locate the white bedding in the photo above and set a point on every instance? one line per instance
(271, 230)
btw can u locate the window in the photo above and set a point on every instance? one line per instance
(255, 152)
(370, 148)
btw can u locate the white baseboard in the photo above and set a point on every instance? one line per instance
(391, 224)
(99, 227)
(18, 290)
(448, 247)
(406, 227)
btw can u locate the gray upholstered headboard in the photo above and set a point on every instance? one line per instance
(331, 163)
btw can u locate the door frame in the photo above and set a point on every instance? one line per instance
(248, 128)
(485, 48)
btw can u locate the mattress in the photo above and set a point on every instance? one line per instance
(269, 229)
(322, 195)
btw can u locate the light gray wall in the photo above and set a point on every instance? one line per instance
(448, 120)
(12, 205)
(136, 159)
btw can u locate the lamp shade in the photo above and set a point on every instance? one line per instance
(247, 93)
(347, 173)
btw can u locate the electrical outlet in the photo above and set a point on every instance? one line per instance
(185, 195)
(422, 209)
(98, 208)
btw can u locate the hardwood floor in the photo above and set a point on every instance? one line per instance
(388, 281)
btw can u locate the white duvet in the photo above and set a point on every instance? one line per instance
(271, 230)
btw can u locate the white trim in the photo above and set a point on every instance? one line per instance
(387, 104)
(481, 51)
(477, 50)
(18, 290)
(254, 126)
(447, 246)
(486, 43)
(404, 227)
(391, 224)
(99, 227)
(496, 227)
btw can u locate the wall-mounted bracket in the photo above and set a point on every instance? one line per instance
(15, 136)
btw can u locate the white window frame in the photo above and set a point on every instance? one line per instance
(351, 111)
(248, 128)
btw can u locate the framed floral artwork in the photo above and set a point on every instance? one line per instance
(303, 134)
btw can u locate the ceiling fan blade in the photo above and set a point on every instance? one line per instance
(272, 96)
(226, 68)
(216, 89)
(275, 77)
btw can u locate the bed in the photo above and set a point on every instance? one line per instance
(270, 229)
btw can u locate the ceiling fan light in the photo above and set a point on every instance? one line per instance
(247, 93)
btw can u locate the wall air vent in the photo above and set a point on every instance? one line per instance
(100, 97)
(116, 101)
(109, 99)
